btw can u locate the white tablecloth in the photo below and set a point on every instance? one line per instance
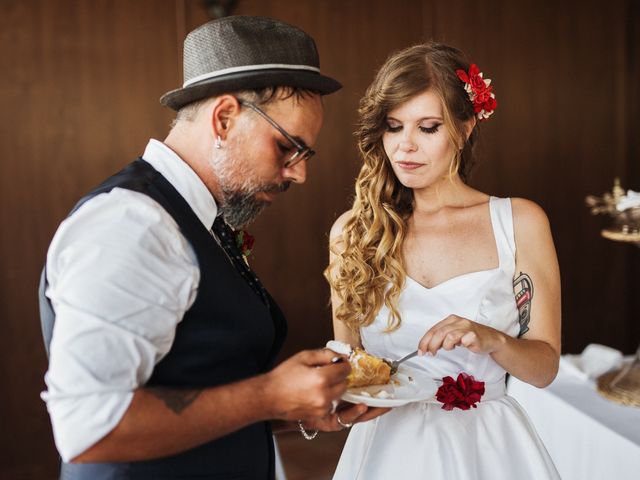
(588, 437)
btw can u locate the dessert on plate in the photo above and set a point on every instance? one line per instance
(366, 369)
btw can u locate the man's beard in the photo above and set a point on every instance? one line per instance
(238, 204)
(240, 207)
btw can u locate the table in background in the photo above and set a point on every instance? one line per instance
(588, 437)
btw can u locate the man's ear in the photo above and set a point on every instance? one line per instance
(224, 112)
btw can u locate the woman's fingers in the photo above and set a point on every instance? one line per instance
(453, 338)
(436, 340)
(456, 331)
(424, 342)
(446, 337)
(433, 340)
(468, 339)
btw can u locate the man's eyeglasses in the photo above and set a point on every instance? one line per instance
(303, 152)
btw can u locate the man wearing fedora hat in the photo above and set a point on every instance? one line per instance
(163, 347)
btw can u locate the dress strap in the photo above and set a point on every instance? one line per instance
(502, 222)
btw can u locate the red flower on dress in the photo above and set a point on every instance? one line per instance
(462, 393)
(245, 242)
(479, 90)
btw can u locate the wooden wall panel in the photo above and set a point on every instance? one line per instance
(80, 88)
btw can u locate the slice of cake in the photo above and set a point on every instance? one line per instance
(366, 369)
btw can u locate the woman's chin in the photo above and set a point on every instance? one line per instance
(414, 183)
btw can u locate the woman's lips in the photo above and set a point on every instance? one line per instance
(409, 165)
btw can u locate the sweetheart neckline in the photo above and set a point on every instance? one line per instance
(462, 275)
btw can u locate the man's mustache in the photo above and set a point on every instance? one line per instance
(278, 188)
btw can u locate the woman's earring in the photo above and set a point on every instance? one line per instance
(218, 143)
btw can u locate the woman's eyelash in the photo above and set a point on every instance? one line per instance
(433, 129)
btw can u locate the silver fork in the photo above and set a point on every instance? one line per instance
(395, 363)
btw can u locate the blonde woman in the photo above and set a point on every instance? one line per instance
(424, 261)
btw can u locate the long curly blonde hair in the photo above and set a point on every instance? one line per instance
(368, 270)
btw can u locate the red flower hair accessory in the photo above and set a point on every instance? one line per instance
(245, 242)
(479, 91)
(462, 393)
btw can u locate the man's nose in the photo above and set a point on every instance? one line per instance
(296, 173)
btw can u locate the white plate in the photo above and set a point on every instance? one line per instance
(406, 386)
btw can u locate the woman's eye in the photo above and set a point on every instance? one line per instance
(433, 129)
(393, 128)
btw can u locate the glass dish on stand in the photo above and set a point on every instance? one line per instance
(621, 385)
(624, 209)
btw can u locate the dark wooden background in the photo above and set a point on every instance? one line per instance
(79, 88)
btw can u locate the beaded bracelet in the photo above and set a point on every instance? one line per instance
(305, 434)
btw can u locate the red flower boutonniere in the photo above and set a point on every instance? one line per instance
(479, 90)
(462, 393)
(245, 242)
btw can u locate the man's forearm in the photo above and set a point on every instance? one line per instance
(163, 421)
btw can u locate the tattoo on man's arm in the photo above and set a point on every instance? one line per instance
(177, 400)
(523, 288)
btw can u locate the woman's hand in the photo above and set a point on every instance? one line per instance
(346, 414)
(456, 331)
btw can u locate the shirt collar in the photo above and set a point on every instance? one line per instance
(179, 174)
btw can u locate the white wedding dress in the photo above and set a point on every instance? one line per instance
(496, 440)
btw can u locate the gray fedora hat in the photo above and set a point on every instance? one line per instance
(243, 52)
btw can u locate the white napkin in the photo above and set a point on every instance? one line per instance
(339, 347)
(594, 360)
(630, 200)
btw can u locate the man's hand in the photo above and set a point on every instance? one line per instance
(305, 386)
(346, 414)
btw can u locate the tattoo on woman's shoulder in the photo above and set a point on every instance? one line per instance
(523, 288)
(177, 400)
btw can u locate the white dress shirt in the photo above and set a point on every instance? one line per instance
(121, 276)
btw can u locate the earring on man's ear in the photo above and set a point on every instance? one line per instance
(218, 143)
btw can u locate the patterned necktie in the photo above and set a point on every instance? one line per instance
(227, 240)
